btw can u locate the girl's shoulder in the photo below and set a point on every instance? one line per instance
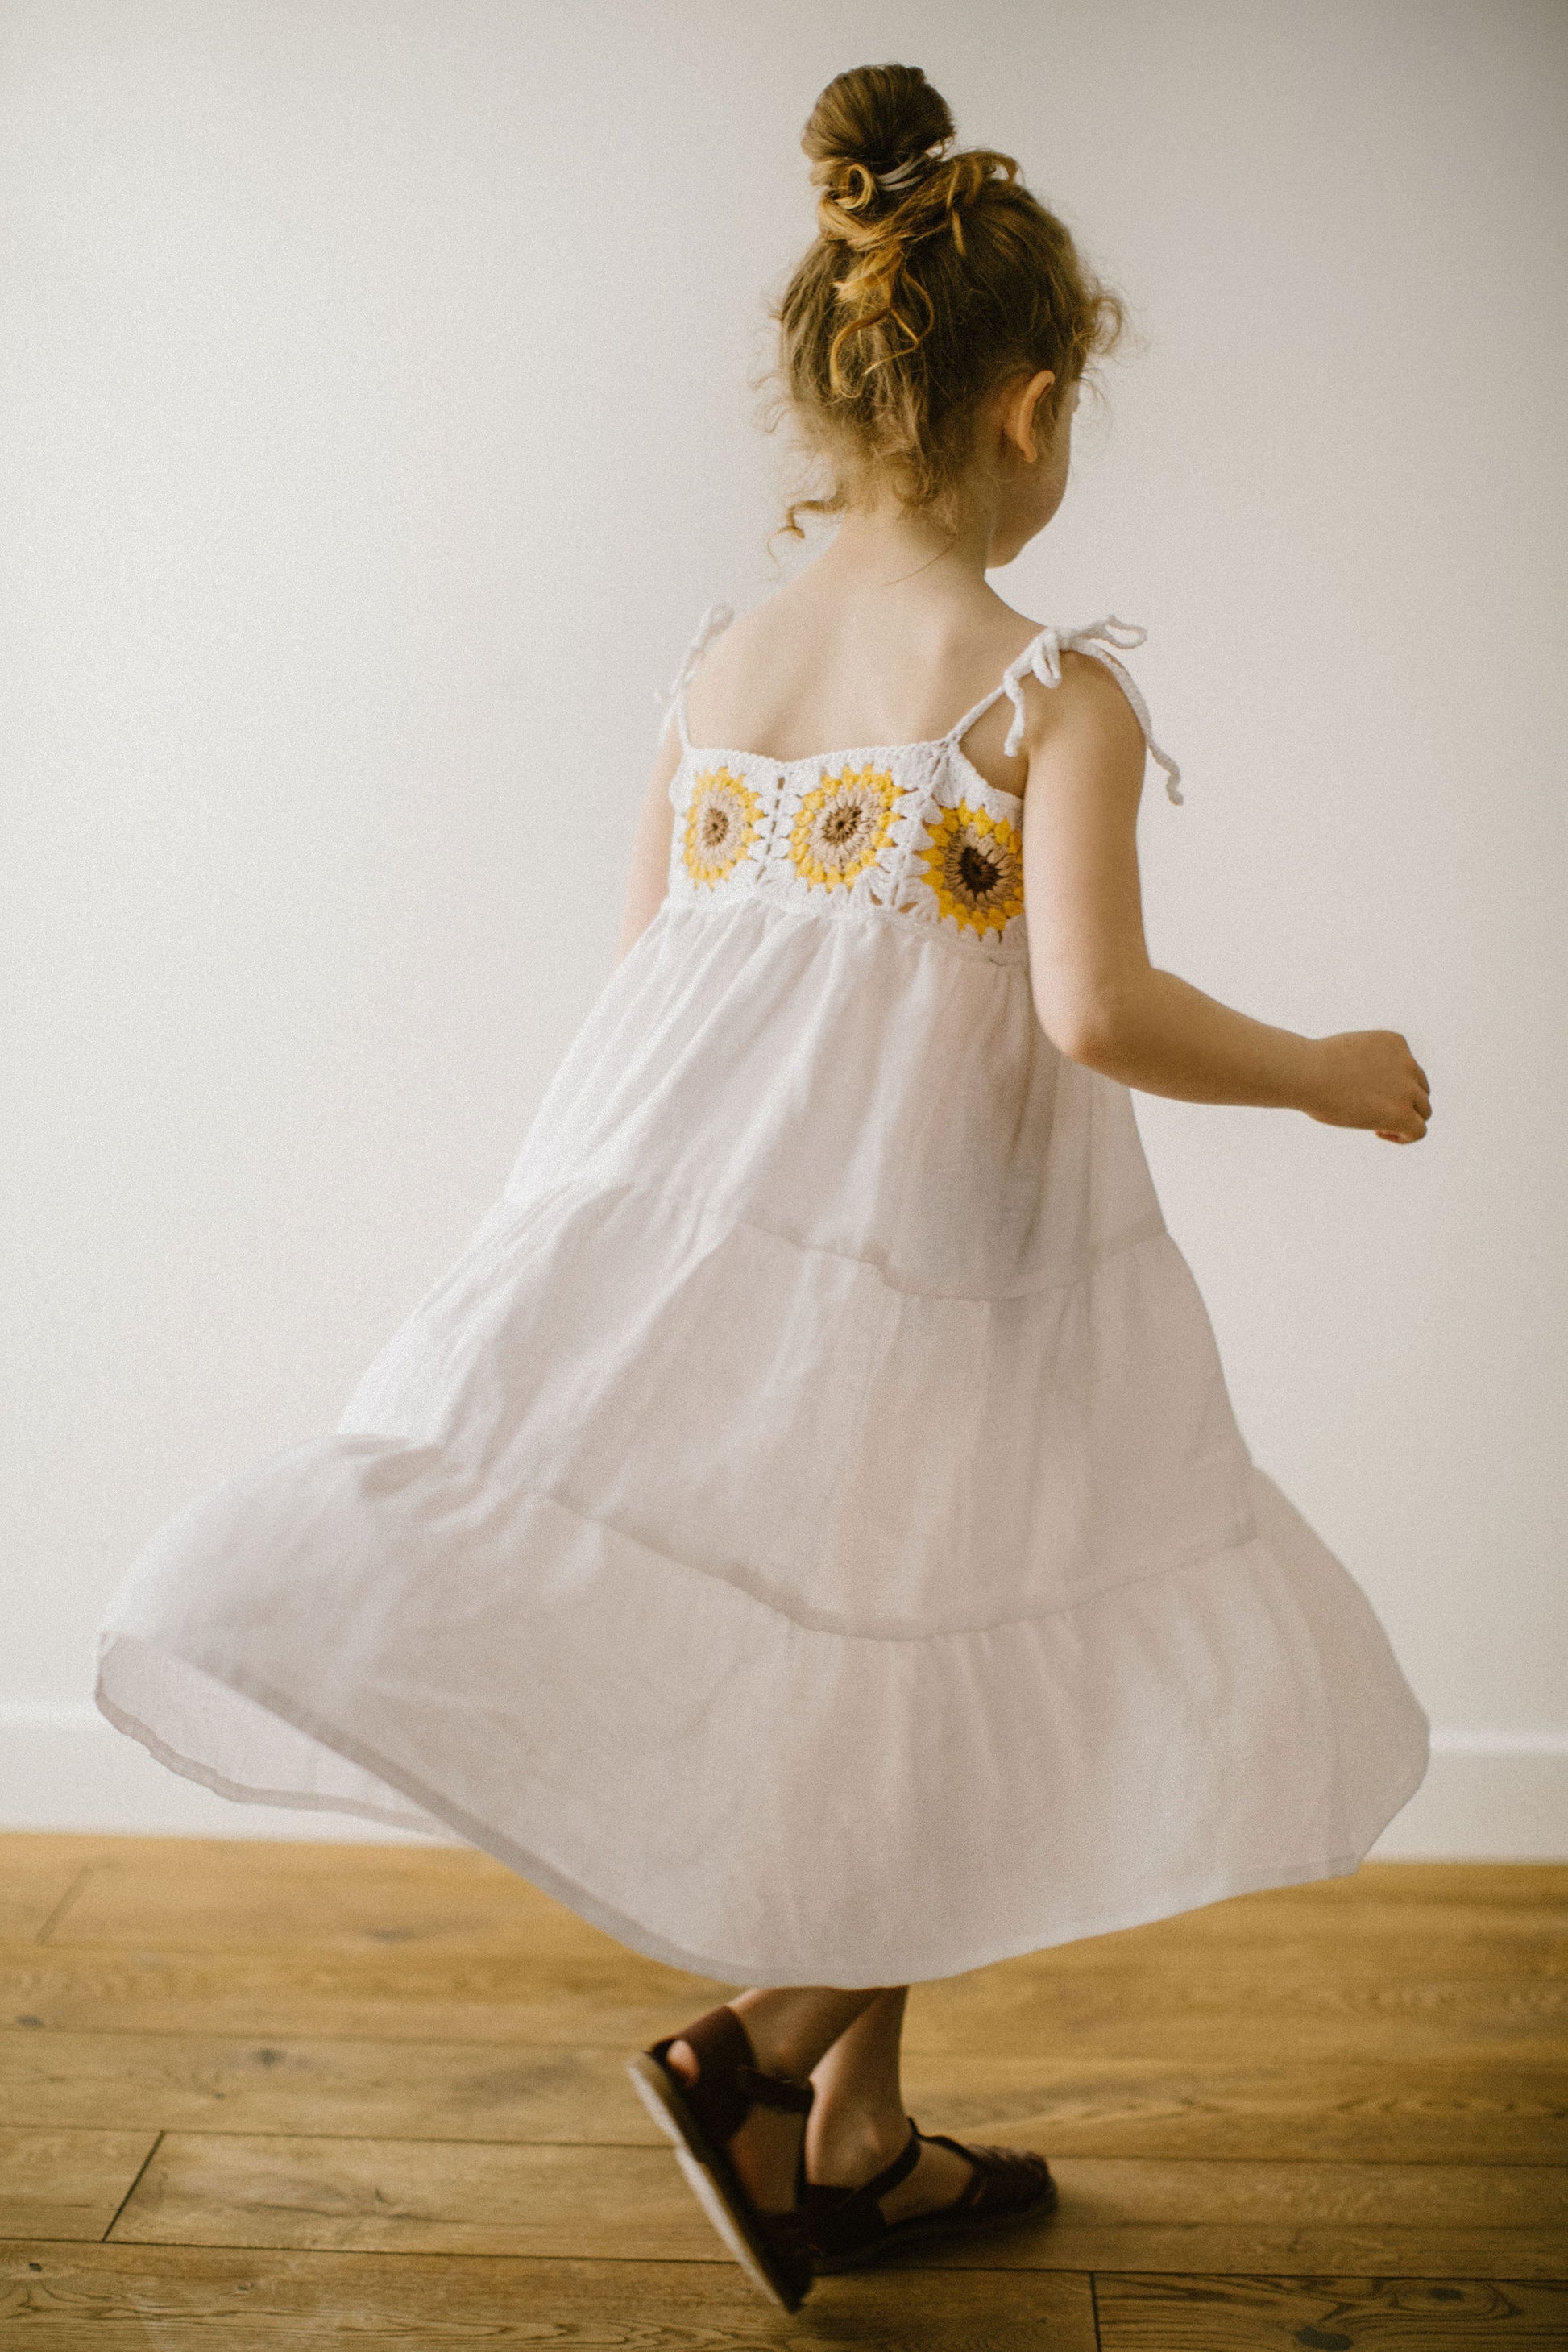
(808, 671)
(819, 668)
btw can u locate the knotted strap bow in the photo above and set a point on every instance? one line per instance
(1042, 658)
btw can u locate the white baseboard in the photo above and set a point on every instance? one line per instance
(63, 1768)
(67, 1767)
(1497, 1799)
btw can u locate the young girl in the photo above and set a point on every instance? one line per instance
(806, 1531)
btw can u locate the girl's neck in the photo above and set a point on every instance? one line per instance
(886, 547)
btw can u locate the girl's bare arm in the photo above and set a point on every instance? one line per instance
(650, 849)
(1099, 997)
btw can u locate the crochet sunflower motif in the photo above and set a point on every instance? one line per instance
(720, 825)
(842, 826)
(975, 864)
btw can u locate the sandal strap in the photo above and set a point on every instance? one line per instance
(774, 2091)
(902, 2165)
(840, 2216)
(976, 2158)
(847, 2226)
(1002, 2177)
(729, 2082)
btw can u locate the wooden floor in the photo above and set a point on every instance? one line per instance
(286, 2096)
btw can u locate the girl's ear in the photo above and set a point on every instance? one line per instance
(1020, 408)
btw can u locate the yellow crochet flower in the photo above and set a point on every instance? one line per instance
(975, 864)
(842, 826)
(720, 825)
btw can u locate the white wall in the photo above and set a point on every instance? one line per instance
(375, 426)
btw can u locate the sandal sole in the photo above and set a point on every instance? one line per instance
(709, 2175)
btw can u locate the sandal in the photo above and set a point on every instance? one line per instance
(703, 2117)
(846, 2228)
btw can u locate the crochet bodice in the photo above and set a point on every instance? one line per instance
(905, 833)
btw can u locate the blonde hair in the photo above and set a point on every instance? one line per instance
(935, 278)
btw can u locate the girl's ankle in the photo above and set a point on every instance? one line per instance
(775, 2054)
(847, 2153)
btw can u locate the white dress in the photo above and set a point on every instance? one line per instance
(807, 1530)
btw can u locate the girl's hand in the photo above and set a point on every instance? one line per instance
(1369, 1077)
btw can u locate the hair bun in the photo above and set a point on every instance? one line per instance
(878, 117)
(934, 278)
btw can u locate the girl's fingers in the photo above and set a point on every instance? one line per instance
(1411, 1133)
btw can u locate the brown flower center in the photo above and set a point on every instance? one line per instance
(841, 824)
(981, 874)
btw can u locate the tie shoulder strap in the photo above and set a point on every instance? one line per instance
(1043, 659)
(714, 621)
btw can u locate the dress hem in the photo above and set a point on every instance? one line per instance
(618, 1925)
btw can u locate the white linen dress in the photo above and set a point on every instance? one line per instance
(806, 1530)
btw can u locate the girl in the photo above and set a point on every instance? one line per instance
(806, 1531)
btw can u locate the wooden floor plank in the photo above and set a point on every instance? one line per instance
(241, 1895)
(119, 2298)
(1287, 2012)
(1385, 1944)
(1370, 2315)
(233, 1895)
(66, 2184)
(1439, 2196)
(406, 2090)
(630, 2203)
(416, 2197)
(1521, 1884)
(1385, 2112)
(1306, 2251)
(1472, 1939)
(1240, 2015)
(36, 1879)
(456, 2090)
(382, 1997)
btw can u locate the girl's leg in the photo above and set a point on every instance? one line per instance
(789, 2029)
(858, 2123)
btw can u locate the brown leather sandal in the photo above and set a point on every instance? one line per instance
(846, 2230)
(703, 2117)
